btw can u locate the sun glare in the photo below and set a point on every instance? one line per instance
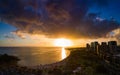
(62, 42)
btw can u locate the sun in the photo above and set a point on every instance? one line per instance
(62, 42)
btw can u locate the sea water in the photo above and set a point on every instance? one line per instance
(32, 56)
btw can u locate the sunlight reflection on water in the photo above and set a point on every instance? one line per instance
(31, 56)
(63, 53)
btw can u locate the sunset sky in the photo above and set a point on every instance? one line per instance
(41, 22)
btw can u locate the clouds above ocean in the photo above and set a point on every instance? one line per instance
(57, 18)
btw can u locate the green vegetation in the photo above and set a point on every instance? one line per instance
(89, 62)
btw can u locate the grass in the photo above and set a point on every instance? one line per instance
(90, 63)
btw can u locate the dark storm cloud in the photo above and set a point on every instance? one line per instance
(57, 18)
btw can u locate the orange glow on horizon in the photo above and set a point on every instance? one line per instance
(62, 42)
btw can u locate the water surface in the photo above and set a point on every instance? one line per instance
(32, 56)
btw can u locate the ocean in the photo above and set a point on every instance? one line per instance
(33, 56)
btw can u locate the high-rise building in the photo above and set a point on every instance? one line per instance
(88, 47)
(94, 46)
(112, 46)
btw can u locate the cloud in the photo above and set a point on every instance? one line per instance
(19, 33)
(115, 34)
(56, 18)
(9, 36)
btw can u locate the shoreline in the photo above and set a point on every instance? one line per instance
(56, 64)
(59, 63)
(79, 62)
(39, 69)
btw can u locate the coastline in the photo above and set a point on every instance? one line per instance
(56, 64)
(79, 62)
(59, 63)
(36, 70)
